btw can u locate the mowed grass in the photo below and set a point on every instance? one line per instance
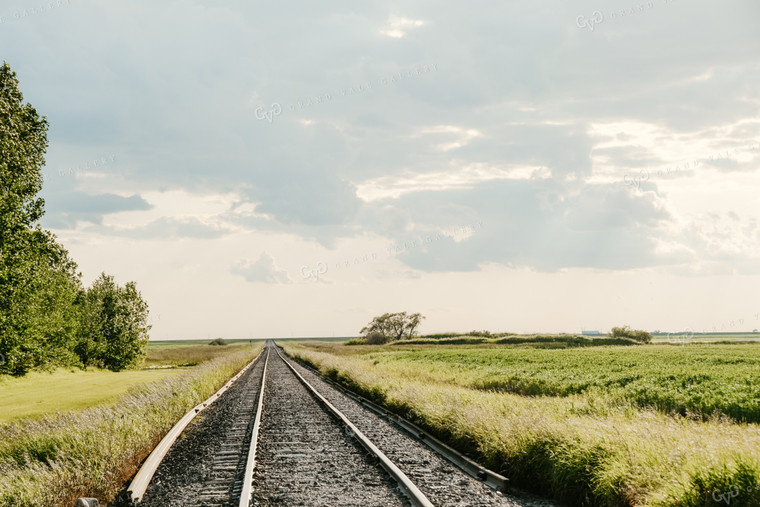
(561, 423)
(40, 393)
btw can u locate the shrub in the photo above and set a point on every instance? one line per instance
(375, 338)
(218, 341)
(634, 334)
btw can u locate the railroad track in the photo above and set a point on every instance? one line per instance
(279, 435)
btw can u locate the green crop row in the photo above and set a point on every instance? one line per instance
(702, 380)
(580, 445)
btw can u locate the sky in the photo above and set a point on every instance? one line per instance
(293, 168)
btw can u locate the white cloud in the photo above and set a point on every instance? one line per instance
(397, 26)
(263, 270)
(461, 176)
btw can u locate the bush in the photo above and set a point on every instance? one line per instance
(218, 341)
(634, 334)
(375, 338)
(357, 341)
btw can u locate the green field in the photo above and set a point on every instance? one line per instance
(606, 425)
(39, 393)
(706, 379)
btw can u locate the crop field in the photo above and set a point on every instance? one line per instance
(615, 425)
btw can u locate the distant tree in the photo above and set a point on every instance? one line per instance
(38, 280)
(627, 332)
(391, 327)
(218, 341)
(114, 328)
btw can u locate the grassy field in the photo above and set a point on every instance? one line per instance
(634, 425)
(90, 452)
(188, 353)
(39, 394)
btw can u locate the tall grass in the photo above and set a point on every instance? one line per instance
(54, 460)
(580, 450)
(192, 355)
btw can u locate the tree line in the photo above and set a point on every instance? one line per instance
(47, 317)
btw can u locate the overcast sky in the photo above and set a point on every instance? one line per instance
(295, 168)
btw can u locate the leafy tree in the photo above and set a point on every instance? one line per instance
(391, 327)
(114, 328)
(38, 280)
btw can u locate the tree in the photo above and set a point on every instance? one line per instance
(114, 328)
(391, 327)
(38, 280)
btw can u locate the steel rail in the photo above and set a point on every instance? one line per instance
(138, 486)
(250, 464)
(417, 497)
(492, 479)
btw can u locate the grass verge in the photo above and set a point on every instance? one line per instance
(54, 460)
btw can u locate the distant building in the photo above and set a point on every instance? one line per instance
(590, 333)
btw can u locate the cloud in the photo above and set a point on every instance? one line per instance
(264, 270)
(397, 25)
(64, 211)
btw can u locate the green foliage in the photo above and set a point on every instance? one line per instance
(114, 329)
(627, 332)
(218, 341)
(376, 338)
(46, 319)
(391, 327)
(478, 334)
(697, 381)
(559, 341)
(38, 280)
